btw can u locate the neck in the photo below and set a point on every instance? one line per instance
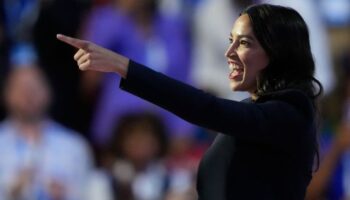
(253, 94)
(31, 130)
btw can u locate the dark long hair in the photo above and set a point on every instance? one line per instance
(284, 35)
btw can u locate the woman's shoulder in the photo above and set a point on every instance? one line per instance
(286, 93)
(294, 97)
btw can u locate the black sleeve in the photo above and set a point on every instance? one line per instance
(268, 121)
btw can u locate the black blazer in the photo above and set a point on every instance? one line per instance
(267, 147)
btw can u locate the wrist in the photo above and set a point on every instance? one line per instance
(120, 65)
(124, 67)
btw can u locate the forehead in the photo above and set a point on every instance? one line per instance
(242, 26)
(25, 76)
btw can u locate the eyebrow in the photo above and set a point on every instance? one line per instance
(243, 36)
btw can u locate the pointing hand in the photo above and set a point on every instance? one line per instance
(96, 58)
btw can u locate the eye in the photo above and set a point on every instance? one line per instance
(230, 40)
(244, 42)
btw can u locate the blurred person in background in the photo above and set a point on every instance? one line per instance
(182, 163)
(135, 157)
(28, 29)
(332, 180)
(40, 159)
(137, 29)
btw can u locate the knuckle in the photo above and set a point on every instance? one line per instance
(76, 56)
(82, 68)
(87, 46)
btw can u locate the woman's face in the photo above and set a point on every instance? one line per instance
(246, 57)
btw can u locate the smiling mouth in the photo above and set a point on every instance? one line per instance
(236, 71)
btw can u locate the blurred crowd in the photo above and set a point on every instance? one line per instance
(71, 135)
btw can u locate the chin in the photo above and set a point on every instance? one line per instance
(236, 86)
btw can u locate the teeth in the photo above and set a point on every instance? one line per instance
(235, 67)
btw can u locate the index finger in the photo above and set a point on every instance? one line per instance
(80, 44)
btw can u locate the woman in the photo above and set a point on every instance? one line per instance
(274, 131)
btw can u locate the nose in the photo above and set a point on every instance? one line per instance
(230, 51)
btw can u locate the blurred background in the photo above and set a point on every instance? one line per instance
(71, 135)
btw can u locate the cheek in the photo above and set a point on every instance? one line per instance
(255, 61)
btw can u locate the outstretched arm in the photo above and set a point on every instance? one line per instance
(264, 122)
(93, 57)
(280, 120)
